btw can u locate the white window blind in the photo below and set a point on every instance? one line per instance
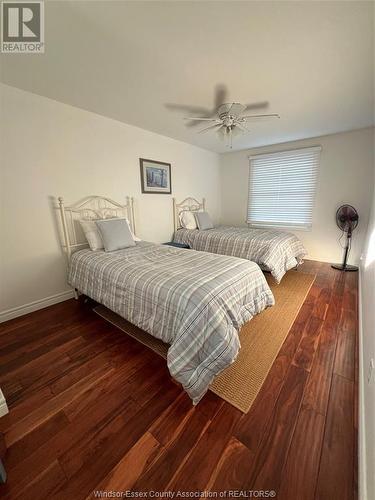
(282, 188)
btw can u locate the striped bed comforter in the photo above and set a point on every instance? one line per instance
(194, 301)
(274, 251)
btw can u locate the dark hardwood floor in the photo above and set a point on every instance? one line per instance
(91, 409)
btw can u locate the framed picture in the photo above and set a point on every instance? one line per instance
(155, 176)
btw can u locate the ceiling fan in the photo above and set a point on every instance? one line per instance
(230, 119)
(226, 118)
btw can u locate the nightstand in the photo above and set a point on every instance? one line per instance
(177, 245)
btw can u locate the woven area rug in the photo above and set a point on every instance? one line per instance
(261, 339)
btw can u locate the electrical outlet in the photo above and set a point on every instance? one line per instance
(370, 374)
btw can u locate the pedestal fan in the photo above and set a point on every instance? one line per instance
(347, 220)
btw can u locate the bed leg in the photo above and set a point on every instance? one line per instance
(76, 293)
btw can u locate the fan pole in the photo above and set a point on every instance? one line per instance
(344, 266)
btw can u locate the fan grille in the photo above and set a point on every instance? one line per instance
(347, 217)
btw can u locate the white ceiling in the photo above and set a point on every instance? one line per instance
(312, 61)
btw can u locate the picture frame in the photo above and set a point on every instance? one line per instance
(155, 177)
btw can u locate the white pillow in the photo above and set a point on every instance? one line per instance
(135, 238)
(93, 235)
(187, 219)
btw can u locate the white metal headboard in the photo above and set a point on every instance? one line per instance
(90, 208)
(191, 204)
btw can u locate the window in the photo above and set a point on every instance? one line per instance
(282, 188)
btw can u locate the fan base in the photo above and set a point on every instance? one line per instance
(348, 268)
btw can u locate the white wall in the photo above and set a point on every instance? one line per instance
(344, 177)
(49, 149)
(367, 407)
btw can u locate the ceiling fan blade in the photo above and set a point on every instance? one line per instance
(195, 110)
(260, 117)
(194, 121)
(201, 119)
(221, 92)
(211, 127)
(220, 97)
(256, 105)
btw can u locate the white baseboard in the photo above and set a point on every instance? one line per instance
(34, 306)
(3, 405)
(362, 467)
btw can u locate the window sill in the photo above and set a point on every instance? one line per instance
(282, 228)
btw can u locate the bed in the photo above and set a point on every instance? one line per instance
(194, 301)
(273, 250)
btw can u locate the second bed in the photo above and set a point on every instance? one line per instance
(273, 250)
